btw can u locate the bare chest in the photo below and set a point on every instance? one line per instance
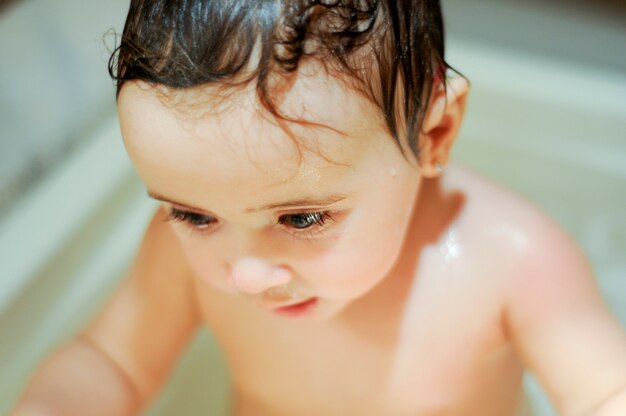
(437, 358)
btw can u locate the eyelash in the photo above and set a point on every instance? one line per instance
(197, 223)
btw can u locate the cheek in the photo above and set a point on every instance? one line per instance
(357, 263)
(349, 275)
(369, 248)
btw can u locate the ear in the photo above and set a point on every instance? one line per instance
(441, 125)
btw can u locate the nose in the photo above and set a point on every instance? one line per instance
(254, 275)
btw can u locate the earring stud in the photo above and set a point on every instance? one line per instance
(438, 167)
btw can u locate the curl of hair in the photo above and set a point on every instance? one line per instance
(388, 48)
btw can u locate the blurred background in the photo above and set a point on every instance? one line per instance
(546, 117)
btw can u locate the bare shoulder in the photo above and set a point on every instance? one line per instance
(147, 322)
(160, 267)
(162, 246)
(553, 313)
(509, 225)
(532, 260)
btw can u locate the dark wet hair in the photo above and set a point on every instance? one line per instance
(391, 50)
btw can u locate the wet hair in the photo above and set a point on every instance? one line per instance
(392, 51)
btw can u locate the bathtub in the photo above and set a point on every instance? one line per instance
(553, 132)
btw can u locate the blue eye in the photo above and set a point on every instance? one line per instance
(194, 220)
(305, 220)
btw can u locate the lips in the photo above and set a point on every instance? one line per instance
(297, 309)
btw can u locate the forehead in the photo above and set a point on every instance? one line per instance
(241, 144)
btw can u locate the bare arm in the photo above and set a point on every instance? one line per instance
(118, 363)
(564, 331)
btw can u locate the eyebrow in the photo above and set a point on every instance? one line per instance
(295, 203)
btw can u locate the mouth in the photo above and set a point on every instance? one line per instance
(297, 309)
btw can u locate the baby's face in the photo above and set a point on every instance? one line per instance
(255, 209)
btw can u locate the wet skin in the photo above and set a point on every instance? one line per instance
(431, 289)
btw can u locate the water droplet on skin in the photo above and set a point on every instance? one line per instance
(451, 247)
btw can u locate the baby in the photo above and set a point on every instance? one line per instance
(312, 220)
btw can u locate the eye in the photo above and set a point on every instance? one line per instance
(194, 220)
(305, 220)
